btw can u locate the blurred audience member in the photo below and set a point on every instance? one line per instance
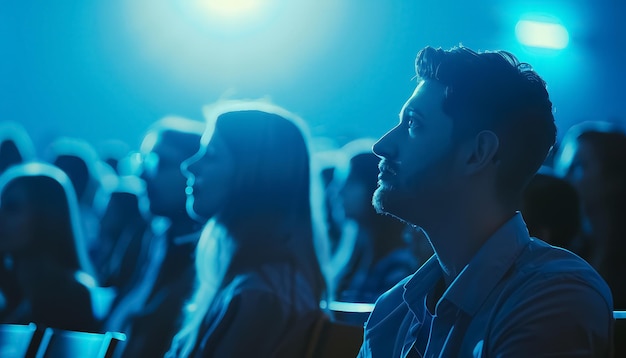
(124, 236)
(112, 152)
(593, 159)
(325, 164)
(78, 159)
(40, 231)
(15, 145)
(259, 277)
(379, 258)
(551, 209)
(158, 301)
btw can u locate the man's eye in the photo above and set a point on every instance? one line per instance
(411, 121)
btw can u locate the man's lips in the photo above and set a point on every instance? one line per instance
(386, 170)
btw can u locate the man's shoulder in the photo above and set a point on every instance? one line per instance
(545, 265)
(555, 263)
(550, 297)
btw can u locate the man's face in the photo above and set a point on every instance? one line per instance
(417, 168)
(165, 184)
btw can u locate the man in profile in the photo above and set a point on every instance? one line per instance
(474, 132)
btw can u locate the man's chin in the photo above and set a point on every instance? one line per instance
(383, 203)
(379, 198)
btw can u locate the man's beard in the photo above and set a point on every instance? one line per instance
(380, 194)
(381, 202)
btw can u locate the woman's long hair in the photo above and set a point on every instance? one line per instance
(58, 233)
(268, 218)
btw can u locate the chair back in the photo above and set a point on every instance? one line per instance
(333, 339)
(57, 343)
(19, 340)
(619, 335)
(351, 313)
(318, 335)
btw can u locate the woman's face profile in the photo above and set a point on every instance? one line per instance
(210, 174)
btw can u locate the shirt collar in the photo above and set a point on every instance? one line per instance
(476, 281)
(422, 282)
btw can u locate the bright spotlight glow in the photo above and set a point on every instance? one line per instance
(231, 8)
(228, 19)
(542, 34)
(268, 43)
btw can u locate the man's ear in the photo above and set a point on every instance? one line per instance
(482, 151)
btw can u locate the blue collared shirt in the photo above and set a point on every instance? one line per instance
(517, 297)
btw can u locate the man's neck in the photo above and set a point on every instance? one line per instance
(455, 245)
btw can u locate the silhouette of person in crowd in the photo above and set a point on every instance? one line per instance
(165, 146)
(79, 160)
(124, 236)
(40, 231)
(593, 159)
(15, 147)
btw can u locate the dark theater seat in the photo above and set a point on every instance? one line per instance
(58, 343)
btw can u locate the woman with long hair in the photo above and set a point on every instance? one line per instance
(40, 232)
(259, 276)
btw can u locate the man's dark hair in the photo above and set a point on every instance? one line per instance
(494, 91)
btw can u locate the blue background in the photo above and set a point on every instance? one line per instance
(101, 70)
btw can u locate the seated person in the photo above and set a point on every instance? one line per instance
(471, 136)
(87, 173)
(258, 273)
(153, 309)
(593, 159)
(40, 232)
(15, 147)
